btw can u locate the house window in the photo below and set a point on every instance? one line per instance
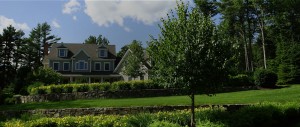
(56, 66)
(106, 66)
(66, 66)
(62, 52)
(103, 53)
(98, 66)
(81, 65)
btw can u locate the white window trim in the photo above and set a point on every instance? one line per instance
(53, 66)
(105, 52)
(95, 66)
(65, 52)
(64, 66)
(108, 65)
(84, 62)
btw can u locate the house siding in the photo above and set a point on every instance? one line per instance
(111, 63)
(81, 56)
(60, 63)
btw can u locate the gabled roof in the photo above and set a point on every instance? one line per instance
(127, 53)
(89, 49)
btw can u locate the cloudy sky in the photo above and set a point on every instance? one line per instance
(121, 21)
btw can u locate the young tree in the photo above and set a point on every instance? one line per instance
(133, 66)
(189, 53)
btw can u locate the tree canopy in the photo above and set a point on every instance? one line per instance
(188, 52)
(135, 59)
(97, 40)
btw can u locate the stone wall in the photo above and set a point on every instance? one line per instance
(98, 94)
(109, 110)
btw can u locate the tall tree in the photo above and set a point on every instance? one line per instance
(123, 50)
(41, 35)
(189, 53)
(11, 40)
(134, 61)
(207, 7)
(97, 40)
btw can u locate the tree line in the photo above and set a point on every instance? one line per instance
(263, 33)
(21, 55)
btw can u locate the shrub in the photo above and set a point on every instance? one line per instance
(121, 85)
(54, 89)
(286, 74)
(106, 86)
(138, 85)
(163, 124)
(240, 80)
(68, 88)
(34, 85)
(265, 78)
(82, 88)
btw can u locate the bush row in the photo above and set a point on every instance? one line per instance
(266, 115)
(115, 86)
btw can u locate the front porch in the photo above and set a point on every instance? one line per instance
(77, 78)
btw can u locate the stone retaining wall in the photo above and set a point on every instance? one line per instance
(98, 94)
(109, 110)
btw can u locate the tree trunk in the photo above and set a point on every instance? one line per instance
(193, 110)
(263, 46)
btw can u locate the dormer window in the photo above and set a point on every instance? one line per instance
(62, 52)
(102, 53)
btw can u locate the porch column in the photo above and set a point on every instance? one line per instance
(89, 79)
(101, 79)
(71, 79)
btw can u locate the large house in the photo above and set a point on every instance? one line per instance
(87, 63)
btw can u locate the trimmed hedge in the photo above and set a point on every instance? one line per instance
(115, 86)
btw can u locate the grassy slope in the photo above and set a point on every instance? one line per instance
(244, 97)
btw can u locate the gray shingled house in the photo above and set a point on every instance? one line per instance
(83, 62)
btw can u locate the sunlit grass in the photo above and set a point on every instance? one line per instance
(282, 95)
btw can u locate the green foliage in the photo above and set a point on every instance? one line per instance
(46, 75)
(263, 114)
(265, 78)
(34, 85)
(163, 124)
(123, 50)
(96, 40)
(134, 61)
(121, 85)
(81, 88)
(38, 88)
(240, 80)
(286, 74)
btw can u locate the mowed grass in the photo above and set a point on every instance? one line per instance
(282, 95)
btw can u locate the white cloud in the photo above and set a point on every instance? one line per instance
(55, 24)
(71, 7)
(105, 13)
(74, 18)
(5, 22)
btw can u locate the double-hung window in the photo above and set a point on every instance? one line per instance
(97, 66)
(103, 53)
(56, 66)
(62, 53)
(106, 66)
(66, 66)
(81, 65)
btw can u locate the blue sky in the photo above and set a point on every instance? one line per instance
(121, 21)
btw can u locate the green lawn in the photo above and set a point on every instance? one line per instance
(287, 94)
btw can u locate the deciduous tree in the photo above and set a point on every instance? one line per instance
(188, 52)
